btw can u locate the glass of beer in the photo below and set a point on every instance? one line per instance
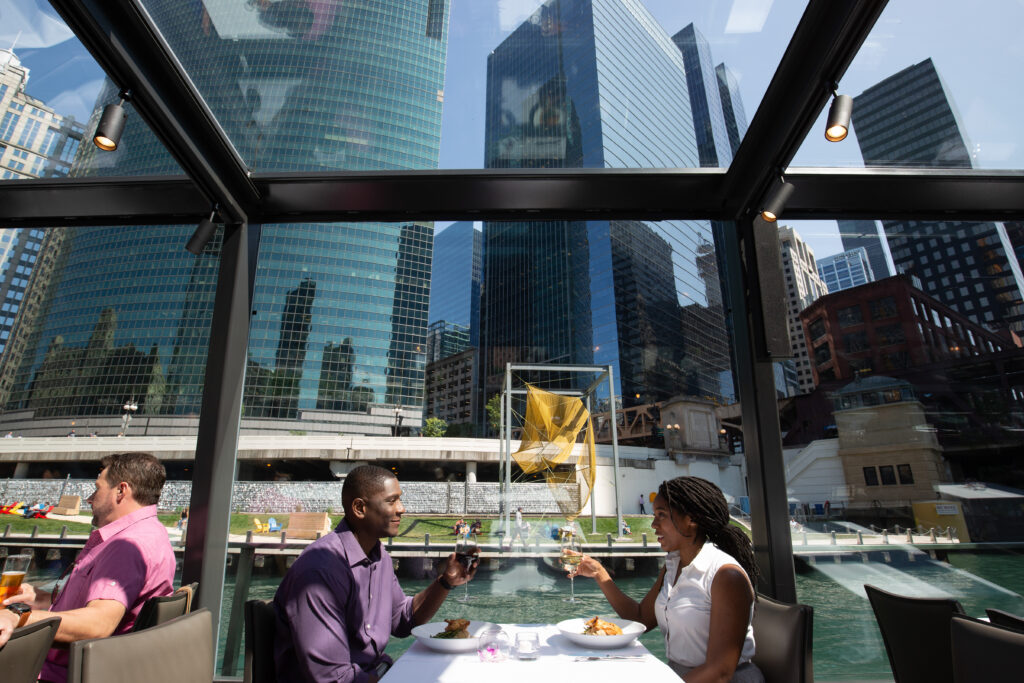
(14, 570)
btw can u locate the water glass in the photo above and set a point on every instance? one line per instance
(527, 645)
(494, 645)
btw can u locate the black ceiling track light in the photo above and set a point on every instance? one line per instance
(111, 125)
(203, 233)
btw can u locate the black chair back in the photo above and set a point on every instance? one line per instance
(158, 610)
(783, 636)
(1005, 619)
(260, 632)
(176, 651)
(985, 653)
(22, 657)
(916, 635)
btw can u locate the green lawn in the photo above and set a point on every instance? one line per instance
(20, 525)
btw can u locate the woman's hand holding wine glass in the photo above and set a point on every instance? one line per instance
(572, 555)
(467, 554)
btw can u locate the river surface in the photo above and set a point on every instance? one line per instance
(847, 644)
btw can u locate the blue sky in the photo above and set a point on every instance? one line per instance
(975, 46)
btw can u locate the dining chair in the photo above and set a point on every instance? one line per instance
(915, 632)
(783, 636)
(176, 651)
(984, 652)
(22, 657)
(157, 610)
(260, 627)
(1005, 619)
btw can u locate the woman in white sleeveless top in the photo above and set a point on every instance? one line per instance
(703, 600)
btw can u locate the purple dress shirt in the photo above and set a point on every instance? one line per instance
(336, 610)
(129, 560)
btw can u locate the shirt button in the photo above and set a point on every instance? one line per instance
(367, 627)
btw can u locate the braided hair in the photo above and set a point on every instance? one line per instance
(706, 506)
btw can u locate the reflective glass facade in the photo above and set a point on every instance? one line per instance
(339, 310)
(848, 269)
(644, 297)
(909, 119)
(455, 283)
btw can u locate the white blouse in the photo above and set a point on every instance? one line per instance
(684, 609)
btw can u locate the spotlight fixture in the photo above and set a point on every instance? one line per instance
(777, 199)
(204, 232)
(838, 126)
(111, 125)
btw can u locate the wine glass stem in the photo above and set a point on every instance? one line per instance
(572, 588)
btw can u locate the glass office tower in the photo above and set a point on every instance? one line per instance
(339, 310)
(455, 286)
(846, 269)
(563, 92)
(970, 267)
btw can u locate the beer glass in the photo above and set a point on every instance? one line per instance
(14, 570)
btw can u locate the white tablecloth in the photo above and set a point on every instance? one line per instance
(555, 662)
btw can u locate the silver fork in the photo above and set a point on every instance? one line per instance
(595, 658)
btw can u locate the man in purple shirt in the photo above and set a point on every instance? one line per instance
(127, 560)
(340, 602)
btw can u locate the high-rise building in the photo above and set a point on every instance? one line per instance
(732, 106)
(845, 269)
(35, 142)
(446, 339)
(867, 235)
(803, 287)
(597, 292)
(709, 119)
(455, 284)
(339, 310)
(909, 119)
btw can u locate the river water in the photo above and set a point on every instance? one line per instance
(847, 644)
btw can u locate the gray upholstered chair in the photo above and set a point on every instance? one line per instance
(23, 655)
(260, 627)
(164, 608)
(1005, 619)
(176, 651)
(783, 634)
(916, 635)
(984, 652)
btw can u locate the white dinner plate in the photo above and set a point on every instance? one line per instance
(423, 633)
(573, 630)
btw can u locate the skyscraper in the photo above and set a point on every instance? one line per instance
(455, 285)
(702, 80)
(867, 235)
(845, 270)
(909, 119)
(339, 310)
(803, 287)
(596, 292)
(732, 106)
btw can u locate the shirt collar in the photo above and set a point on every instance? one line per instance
(119, 525)
(350, 545)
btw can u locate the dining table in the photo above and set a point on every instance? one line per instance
(557, 659)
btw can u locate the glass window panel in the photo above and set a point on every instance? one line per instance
(402, 85)
(52, 94)
(905, 425)
(924, 98)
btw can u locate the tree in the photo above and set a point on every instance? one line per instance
(434, 426)
(494, 412)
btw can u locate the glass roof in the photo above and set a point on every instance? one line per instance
(51, 95)
(932, 88)
(327, 85)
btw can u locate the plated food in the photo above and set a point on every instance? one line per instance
(456, 629)
(599, 627)
(451, 635)
(602, 633)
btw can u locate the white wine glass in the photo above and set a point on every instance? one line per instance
(572, 555)
(466, 553)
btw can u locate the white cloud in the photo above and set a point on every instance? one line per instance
(511, 13)
(34, 21)
(748, 16)
(79, 101)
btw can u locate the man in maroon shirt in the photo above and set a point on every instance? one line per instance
(340, 602)
(127, 560)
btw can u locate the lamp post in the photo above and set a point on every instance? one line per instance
(130, 406)
(397, 429)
